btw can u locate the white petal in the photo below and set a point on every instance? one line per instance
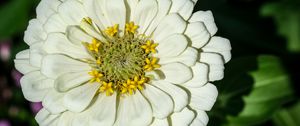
(81, 120)
(77, 36)
(201, 119)
(78, 119)
(163, 9)
(131, 6)
(188, 57)
(89, 29)
(133, 111)
(162, 104)
(95, 10)
(144, 13)
(198, 34)
(176, 73)
(45, 118)
(23, 54)
(208, 19)
(56, 65)
(154, 75)
(160, 122)
(219, 45)
(183, 118)
(35, 32)
(66, 119)
(195, 1)
(200, 76)
(23, 66)
(216, 65)
(171, 24)
(186, 10)
(58, 43)
(22, 62)
(55, 24)
(177, 5)
(203, 98)
(71, 80)
(171, 46)
(77, 99)
(46, 8)
(35, 86)
(72, 12)
(107, 114)
(53, 102)
(116, 12)
(179, 96)
(89, 6)
(36, 54)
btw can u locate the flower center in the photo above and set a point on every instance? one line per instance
(120, 61)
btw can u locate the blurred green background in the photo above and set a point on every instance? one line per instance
(261, 84)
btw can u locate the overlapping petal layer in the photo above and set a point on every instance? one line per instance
(56, 73)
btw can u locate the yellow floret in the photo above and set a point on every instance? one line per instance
(131, 28)
(107, 87)
(112, 31)
(151, 64)
(96, 76)
(150, 47)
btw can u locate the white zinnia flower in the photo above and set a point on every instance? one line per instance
(122, 63)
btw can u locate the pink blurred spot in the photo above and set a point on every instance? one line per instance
(4, 123)
(5, 49)
(16, 77)
(36, 107)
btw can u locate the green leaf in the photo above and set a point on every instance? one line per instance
(14, 17)
(288, 116)
(271, 89)
(287, 18)
(252, 90)
(239, 21)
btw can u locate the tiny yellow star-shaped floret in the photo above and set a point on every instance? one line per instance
(151, 64)
(131, 28)
(150, 46)
(107, 87)
(128, 87)
(112, 31)
(94, 46)
(96, 76)
(139, 83)
(98, 61)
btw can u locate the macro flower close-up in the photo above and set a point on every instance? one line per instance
(122, 63)
(149, 63)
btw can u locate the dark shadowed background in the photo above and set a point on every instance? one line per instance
(261, 84)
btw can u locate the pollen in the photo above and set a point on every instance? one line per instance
(131, 28)
(139, 82)
(107, 87)
(151, 64)
(96, 76)
(112, 31)
(94, 46)
(150, 46)
(128, 87)
(120, 62)
(98, 61)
